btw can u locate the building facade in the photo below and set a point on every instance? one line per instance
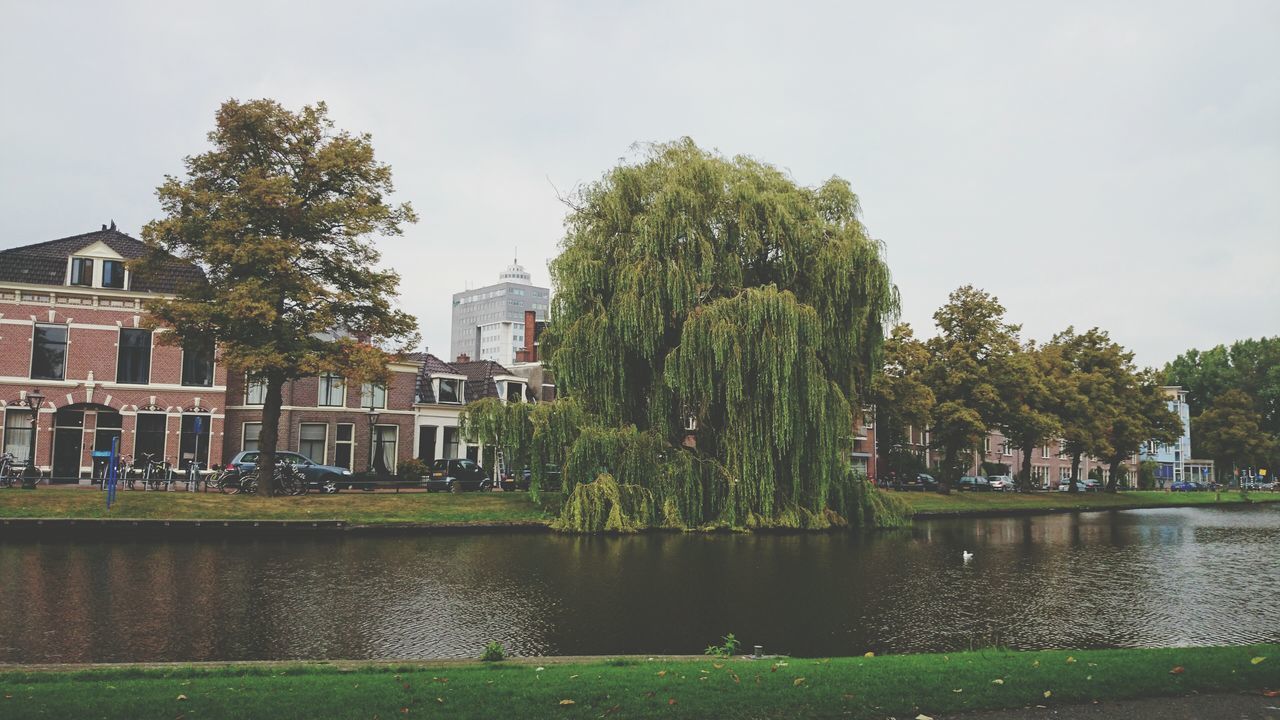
(72, 330)
(488, 322)
(358, 426)
(1174, 462)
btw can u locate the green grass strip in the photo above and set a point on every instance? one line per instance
(860, 687)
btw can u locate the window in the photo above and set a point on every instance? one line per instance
(148, 442)
(986, 444)
(450, 443)
(255, 390)
(193, 443)
(384, 448)
(82, 272)
(450, 391)
(312, 438)
(133, 364)
(1044, 452)
(1006, 448)
(333, 391)
(113, 274)
(49, 352)
(18, 432)
(251, 433)
(197, 366)
(108, 429)
(427, 443)
(515, 392)
(344, 447)
(373, 395)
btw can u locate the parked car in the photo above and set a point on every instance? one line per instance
(550, 479)
(1183, 486)
(1002, 483)
(972, 483)
(459, 475)
(1083, 485)
(325, 478)
(921, 482)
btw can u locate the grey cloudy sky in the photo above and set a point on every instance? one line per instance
(1090, 163)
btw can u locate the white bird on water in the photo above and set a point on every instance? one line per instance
(966, 555)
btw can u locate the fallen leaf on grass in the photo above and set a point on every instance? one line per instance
(868, 654)
(572, 677)
(1177, 670)
(404, 710)
(612, 710)
(440, 700)
(672, 701)
(567, 701)
(848, 696)
(735, 677)
(1070, 660)
(922, 716)
(662, 673)
(798, 682)
(182, 697)
(539, 669)
(1265, 693)
(997, 681)
(1048, 693)
(958, 690)
(1035, 663)
(717, 665)
(1257, 660)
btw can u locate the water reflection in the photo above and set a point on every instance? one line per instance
(1134, 578)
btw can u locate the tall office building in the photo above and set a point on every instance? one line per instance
(488, 322)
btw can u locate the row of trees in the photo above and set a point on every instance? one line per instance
(1234, 394)
(977, 375)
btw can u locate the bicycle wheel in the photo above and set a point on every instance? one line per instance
(249, 483)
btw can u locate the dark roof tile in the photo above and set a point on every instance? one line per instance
(46, 263)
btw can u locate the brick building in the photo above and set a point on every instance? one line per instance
(329, 420)
(70, 327)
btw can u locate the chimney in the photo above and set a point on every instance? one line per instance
(530, 330)
(463, 358)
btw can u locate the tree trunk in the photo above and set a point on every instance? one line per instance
(1113, 478)
(269, 437)
(1075, 472)
(1024, 477)
(948, 462)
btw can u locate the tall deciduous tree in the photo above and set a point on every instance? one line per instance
(902, 400)
(694, 286)
(970, 360)
(1084, 375)
(280, 215)
(1029, 419)
(1229, 433)
(1140, 412)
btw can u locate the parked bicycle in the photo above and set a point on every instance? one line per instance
(10, 470)
(156, 473)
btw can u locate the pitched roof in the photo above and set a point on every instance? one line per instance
(480, 374)
(46, 263)
(431, 365)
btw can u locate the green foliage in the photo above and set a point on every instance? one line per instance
(412, 469)
(1229, 433)
(493, 652)
(970, 364)
(604, 505)
(903, 401)
(1147, 474)
(278, 215)
(693, 286)
(727, 649)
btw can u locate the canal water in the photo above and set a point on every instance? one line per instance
(1114, 579)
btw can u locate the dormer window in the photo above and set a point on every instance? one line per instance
(515, 392)
(82, 272)
(449, 391)
(112, 274)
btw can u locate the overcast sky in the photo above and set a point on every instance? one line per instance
(1089, 163)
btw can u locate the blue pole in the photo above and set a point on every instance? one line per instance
(111, 473)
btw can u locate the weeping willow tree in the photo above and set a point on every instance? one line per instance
(695, 287)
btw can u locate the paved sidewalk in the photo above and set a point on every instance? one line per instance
(1194, 707)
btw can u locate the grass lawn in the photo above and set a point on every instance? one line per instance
(877, 687)
(930, 502)
(355, 507)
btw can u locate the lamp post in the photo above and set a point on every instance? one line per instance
(35, 400)
(373, 422)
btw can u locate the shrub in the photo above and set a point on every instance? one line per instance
(493, 652)
(728, 649)
(412, 469)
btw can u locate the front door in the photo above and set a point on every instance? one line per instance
(66, 454)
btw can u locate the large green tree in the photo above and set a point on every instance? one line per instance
(1084, 373)
(280, 214)
(1229, 432)
(903, 401)
(1028, 418)
(971, 361)
(696, 287)
(1140, 413)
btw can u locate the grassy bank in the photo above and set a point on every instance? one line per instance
(971, 502)
(355, 507)
(878, 687)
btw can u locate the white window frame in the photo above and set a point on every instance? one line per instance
(462, 388)
(324, 447)
(368, 389)
(244, 436)
(351, 457)
(250, 383)
(328, 396)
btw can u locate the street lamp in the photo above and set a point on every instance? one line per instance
(35, 400)
(373, 422)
